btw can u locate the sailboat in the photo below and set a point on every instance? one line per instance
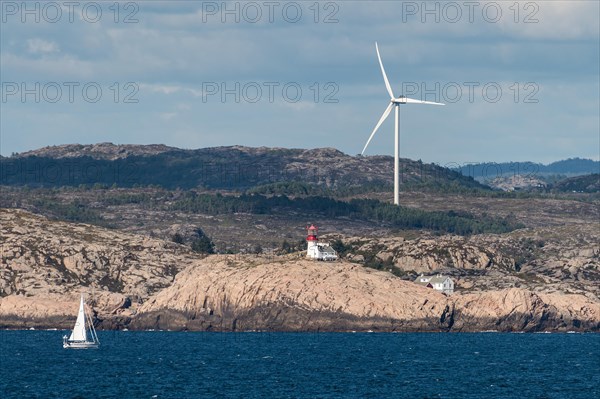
(82, 337)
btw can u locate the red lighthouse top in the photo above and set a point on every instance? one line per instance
(311, 233)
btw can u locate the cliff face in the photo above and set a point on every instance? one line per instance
(145, 283)
(228, 294)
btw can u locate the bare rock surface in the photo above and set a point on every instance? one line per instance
(227, 294)
(106, 151)
(522, 310)
(144, 283)
(40, 256)
(563, 259)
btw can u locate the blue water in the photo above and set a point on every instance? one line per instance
(33, 364)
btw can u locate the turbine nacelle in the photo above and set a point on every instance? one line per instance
(406, 100)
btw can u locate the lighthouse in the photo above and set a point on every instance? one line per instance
(312, 241)
(316, 250)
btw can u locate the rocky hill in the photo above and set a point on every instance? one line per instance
(580, 184)
(99, 151)
(140, 282)
(233, 167)
(570, 167)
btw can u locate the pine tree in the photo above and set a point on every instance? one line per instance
(202, 244)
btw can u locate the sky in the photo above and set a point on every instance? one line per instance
(520, 80)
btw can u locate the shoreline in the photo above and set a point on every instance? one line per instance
(318, 331)
(333, 326)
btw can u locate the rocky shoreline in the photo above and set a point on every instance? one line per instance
(182, 307)
(141, 283)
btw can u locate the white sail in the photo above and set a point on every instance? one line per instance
(79, 331)
(80, 338)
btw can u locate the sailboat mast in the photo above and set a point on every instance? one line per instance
(93, 334)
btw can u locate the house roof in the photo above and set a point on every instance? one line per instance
(437, 279)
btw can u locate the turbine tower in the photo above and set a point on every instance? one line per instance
(394, 102)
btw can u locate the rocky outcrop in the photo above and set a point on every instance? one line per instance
(522, 310)
(559, 259)
(142, 283)
(228, 294)
(300, 295)
(111, 310)
(104, 151)
(40, 257)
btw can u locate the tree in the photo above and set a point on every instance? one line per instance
(341, 248)
(202, 243)
(286, 247)
(177, 238)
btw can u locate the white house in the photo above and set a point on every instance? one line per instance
(438, 282)
(317, 250)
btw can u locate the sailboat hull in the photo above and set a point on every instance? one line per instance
(80, 345)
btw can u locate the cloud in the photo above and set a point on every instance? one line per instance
(41, 46)
(555, 20)
(172, 51)
(160, 88)
(167, 115)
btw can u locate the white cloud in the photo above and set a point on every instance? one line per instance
(160, 88)
(41, 46)
(556, 20)
(170, 89)
(171, 52)
(167, 115)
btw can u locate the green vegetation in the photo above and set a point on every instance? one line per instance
(293, 188)
(288, 248)
(273, 171)
(202, 243)
(177, 238)
(83, 209)
(579, 184)
(358, 209)
(341, 248)
(75, 211)
(304, 189)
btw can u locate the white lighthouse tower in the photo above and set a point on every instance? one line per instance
(312, 241)
(316, 250)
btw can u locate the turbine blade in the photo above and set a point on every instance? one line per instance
(385, 79)
(383, 118)
(413, 101)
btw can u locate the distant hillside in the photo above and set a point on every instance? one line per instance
(104, 151)
(573, 165)
(492, 170)
(237, 168)
(580, 184)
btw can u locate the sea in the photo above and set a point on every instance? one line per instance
(162, 364)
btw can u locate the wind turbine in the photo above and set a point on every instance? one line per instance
(394, 102)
